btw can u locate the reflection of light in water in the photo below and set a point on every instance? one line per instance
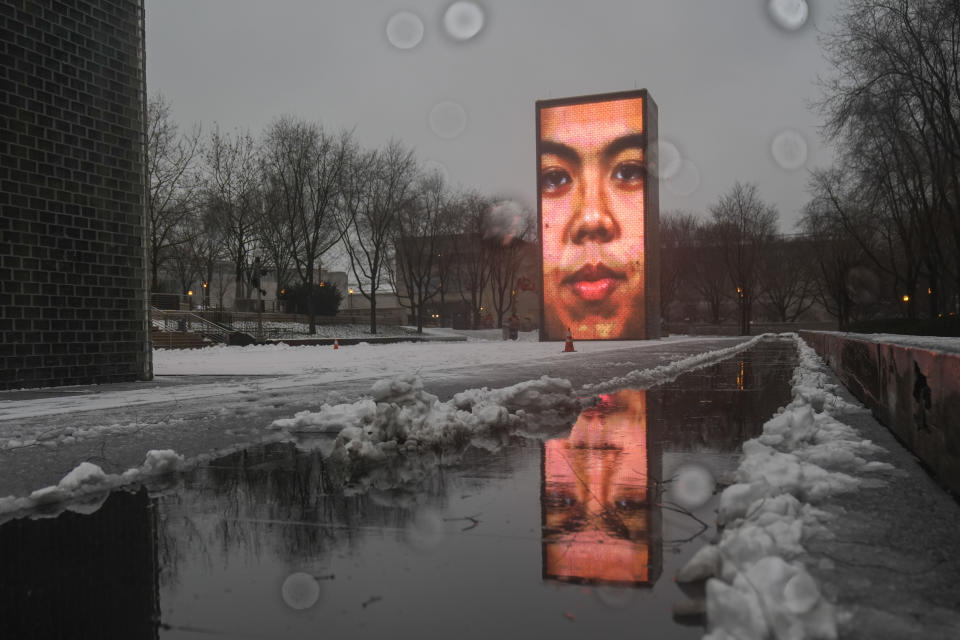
(692, 485)
(789, 14)
(596, 503)
(404, 30)
(300, 591)
(448, 119)
(668, 159)
(789, 149)
(685, 181)
(463, 19)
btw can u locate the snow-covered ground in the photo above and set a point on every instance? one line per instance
(362, 360)
(284, 367)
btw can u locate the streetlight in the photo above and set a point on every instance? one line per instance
(190, 299)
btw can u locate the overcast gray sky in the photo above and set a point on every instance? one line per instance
(732, 79)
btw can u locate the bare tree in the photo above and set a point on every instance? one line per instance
(233, 200)
(184, 266)
(509, 230)
(207, 251)
(273, 237)
(416, 242)
(892, 108)
(377, 186)
(745, 225)
(474, 255)
(838, 251)
(172, 182)
(304, 167)
(787, 278)
(677, 236)
(708, 273)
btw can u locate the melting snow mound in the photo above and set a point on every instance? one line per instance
(755, 587)
(400, 415)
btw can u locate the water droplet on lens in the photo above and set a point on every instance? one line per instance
(506, 220)
(425, 531)
(435, 167)
(668, 159)
(789, 14)
(300, 591)
(615, 596)
(448, 119)
(404, 30)
(463, 20)
(789, 149)
(692, 486)
(685, 181)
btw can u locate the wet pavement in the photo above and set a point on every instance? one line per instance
(576, 536)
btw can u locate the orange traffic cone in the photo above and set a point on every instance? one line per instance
(569, 345)
(336, 343)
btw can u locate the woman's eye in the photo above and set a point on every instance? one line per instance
(629, 172)
(554, 180)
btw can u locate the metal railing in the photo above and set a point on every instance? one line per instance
(184, 321)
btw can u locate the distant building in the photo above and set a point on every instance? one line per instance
(220, 292)
(73, 303)
(513, 288)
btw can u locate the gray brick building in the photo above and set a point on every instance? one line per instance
(73, 303)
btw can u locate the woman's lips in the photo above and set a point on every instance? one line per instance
(594, 282)
(593, 290)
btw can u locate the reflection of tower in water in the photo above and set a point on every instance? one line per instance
(82, 574)
(600, 520)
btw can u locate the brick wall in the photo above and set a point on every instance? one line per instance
(73, 308)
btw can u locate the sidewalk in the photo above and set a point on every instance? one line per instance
(891, 558)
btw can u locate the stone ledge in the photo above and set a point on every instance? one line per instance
(914, 391)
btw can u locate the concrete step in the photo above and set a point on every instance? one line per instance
(178, 340)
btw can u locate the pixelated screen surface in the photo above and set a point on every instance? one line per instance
(592, 177)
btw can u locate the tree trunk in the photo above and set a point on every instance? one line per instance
(311, 307)
(373, 313)
(419, 314)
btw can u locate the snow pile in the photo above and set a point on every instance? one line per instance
(88, 479)
(756, 588)
(643, 378)
(400, 415)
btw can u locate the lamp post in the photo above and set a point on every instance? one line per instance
(256, 283)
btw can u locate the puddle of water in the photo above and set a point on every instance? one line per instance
(575, 536)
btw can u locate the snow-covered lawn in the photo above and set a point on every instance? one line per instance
(324, 363)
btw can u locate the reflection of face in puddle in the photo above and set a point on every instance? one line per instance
(597, 499)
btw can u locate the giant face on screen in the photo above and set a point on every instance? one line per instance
(595, 199)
